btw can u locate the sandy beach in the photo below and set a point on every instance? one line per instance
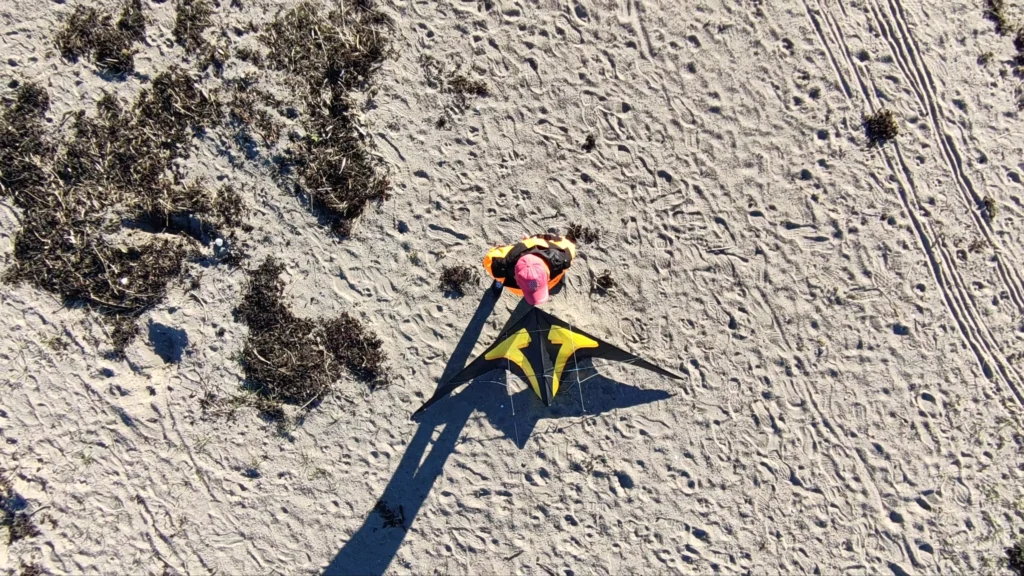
(847, 315)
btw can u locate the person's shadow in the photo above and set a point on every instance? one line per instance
(374, 545)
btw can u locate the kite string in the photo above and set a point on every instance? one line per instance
(508, 392)
(575, 367)
(515, 424)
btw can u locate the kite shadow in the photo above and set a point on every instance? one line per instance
(373, 547)
(517, 416)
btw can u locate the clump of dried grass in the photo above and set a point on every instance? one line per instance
(32, 569)
(336, 49)
(19, 523)
(989, 208)
(602, 283)
(881, 127)
(337, 169)
(1015, 558)
(133, 21)
(996, 11)
(94, 34)
(454, 279)
(332, 54)
(298, 360)
(250, 114)
(191, 19)
(579, 233)
(23, 141)
(453, 81)
(122, 332)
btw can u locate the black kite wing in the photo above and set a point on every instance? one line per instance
(540, 349)
(569, 345)
(517, 349)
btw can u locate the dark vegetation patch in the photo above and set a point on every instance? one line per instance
(392, 517)
(106, 173)
(454, 279)
(94, 34)
(297, 360)
(32, 569)
(122, 331)
(132, 21)
(579, 233)
(251, 112)
(989, 208)
(191, 19)
(453, 82)
(250, 55)
(589, 143)
(330, 54)
(602, 283)
(14, 515)
(881, 127)
(996, 12)
(95, 191)
(1015, 558)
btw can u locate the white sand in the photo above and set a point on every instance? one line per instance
(809, 436)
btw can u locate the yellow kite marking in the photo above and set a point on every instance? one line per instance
(512, 349)
(570, 342)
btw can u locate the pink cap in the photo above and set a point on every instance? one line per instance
(532, 276)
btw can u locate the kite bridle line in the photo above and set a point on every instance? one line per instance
(576, 369)
(511, 401)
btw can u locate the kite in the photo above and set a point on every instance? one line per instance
(541, 349)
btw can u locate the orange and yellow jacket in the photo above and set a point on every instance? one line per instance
(556, 251)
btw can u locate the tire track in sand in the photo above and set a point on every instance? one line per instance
(828, 51)
(840, 441)
(906, 53)
(947, 277)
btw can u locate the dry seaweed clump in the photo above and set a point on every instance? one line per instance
(996, 12)
(336, 49)
(93, 34)
(989, 208)
(298, 360)
(339, 174)
(580, 233)
(1015, 558)
(13, 515)
(333, 53)
(454, 279)
(589, 143)
(1018, 43)
(453, 82)
(881, 127)
(32, 569)
(23, 141)
(77, 190)
(249, 112)
(191, 19)
(602, 283)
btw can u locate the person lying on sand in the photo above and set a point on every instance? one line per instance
(531, 267)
